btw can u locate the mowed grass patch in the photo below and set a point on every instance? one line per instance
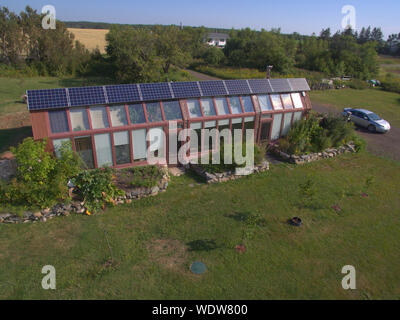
(155, 240)
(385, 104)
(91, 38)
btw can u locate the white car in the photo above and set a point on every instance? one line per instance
(367, 119)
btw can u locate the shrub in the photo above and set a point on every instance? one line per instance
(391, 84)
(41, 179)
(96, 188)
(360, 143)
(358, 84)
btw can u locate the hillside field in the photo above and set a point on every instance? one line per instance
(91, 38)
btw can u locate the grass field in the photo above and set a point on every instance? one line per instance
(154, 241)
(91, 38)
(389, 65)
(385, 104)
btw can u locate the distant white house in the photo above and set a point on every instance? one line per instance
(217, 39)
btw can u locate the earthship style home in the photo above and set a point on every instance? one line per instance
(108, 125)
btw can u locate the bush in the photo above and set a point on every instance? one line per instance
(96, 188)
(391, 85)
(41, 179)
(358, 84)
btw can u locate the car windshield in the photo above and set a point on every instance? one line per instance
(374, 117)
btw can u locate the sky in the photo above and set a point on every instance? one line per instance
(305, 17)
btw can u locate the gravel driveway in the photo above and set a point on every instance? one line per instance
(380, 144)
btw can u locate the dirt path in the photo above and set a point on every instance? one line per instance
(380, 144)
(201, 76)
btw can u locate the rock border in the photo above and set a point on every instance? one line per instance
(226, 176)
(78, 207)
(307, 158)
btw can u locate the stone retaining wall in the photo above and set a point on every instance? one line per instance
(328, 153)
(78, 207)
(225, 176)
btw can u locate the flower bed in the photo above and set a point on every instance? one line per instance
(306, 158)
(228, 175)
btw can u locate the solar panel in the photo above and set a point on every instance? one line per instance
(155, 91)
(260, 86)
(237, 87)
(123, 93)
(280, 85)
(299, 84)
(213, 88)
(47, 99)
(86, 96)
(185, 89)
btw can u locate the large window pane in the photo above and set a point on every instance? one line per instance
(265, 102)
(298, 104)
(118, 116)
(79, 119)
(235, 105)
(208, 107)
(84, 148)
(276, 126)
(136, 113)
(222, 106)
(58, 121)
(297, 116)
(154, 112)
(103, 150)
(157, 143)
(122, 147)
(58, 143)
(276, 101)
(139, 144)
(194, 108)
(195, 138)
(247, 104)
(287, 121)
(172, 110)
(99, 117)
(287, 101)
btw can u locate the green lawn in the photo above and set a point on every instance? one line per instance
(205, 222)
(385, 104)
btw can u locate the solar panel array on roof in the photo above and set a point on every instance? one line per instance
(260, 86)
(299, 85)
(86, 96)
(155, 91)
(185, 89)
(237, 87)
(47, 99)
(280, 85)
(213, 88)
(123, 93)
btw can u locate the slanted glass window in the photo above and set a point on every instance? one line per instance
(276, 101)
(122, 147)
(194, 108)
(99, 117)
(222, 106)
(265, 102)
(84, 148)
(298, 104)
(139, 143)
(210, 124)
(79, 119)
(58, 143)
(103, 150)
(287, 121)
(118, 116)
(154, 112)
(297, 116)
(249, 124)
(247, 104)
(58, 121)
(276, 127)
(172, 110)
(235, 105)
(287, 101)
(136, 113)
(208, 107)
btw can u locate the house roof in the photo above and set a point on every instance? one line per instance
(145, 92)
(216, 35)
